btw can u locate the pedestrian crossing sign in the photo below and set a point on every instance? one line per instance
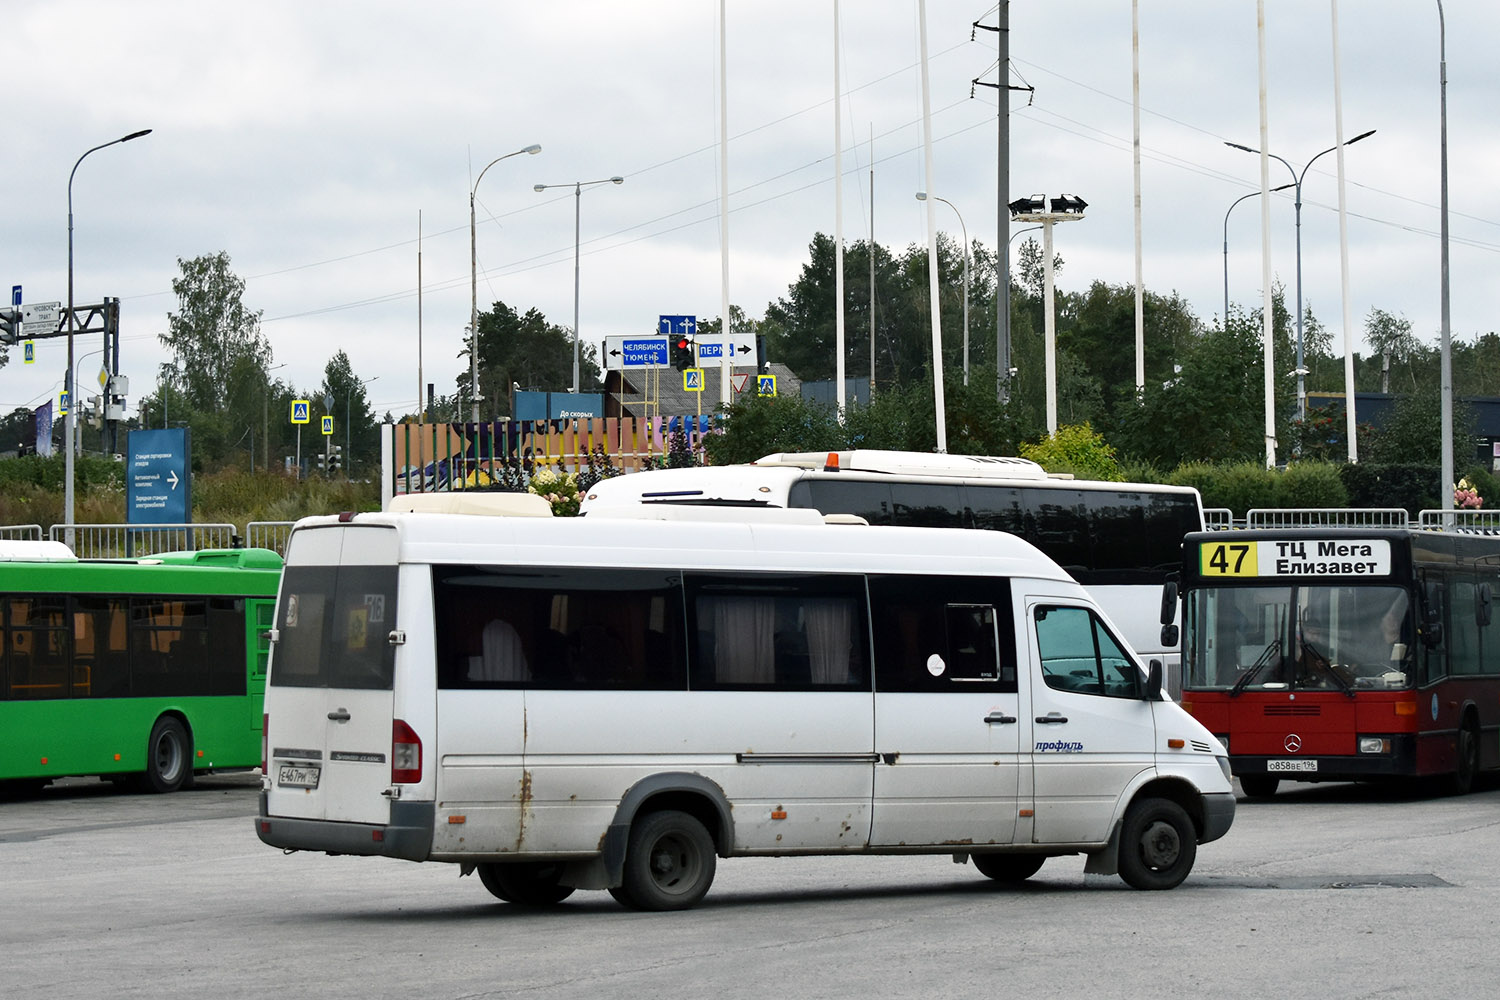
(765, 385)
(301, 409)
(692, 380)
(327, 426)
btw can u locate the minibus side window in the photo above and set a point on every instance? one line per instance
(938, 633)
(781, 632)
(1079, 654)
(559, 629)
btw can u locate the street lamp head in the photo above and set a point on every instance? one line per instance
(1243, 149)
(921, 195)
(617, 180)
(1362, 135)
(1028, 206)
(532, 149)
(147, 131)
(538, 187)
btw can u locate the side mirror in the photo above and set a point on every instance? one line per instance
(1169, 603)
(1482, 598)
(1432, 634)
(1153, 682)
(1169, 636)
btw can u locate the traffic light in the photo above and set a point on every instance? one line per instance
(683, 354)
(10, 325)
(319, 460)
(335, 459)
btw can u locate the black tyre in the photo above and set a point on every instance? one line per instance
(1008, 867)
(169, 757)
(1461, 781)
(669, 862)
(527, 883)
(1259, 786)
(1157, 845)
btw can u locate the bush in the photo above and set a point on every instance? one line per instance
(1412, 487)
(1075, 449)
(1312, 484)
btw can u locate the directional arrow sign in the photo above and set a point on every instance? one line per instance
(636, 352)
(41, 319)
(739, 349)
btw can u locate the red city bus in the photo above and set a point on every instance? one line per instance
(1344, 654)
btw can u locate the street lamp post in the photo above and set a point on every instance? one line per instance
(1297, 183)
(72, 389)
(349, 422)
(922, 196)
(474, 281)
(578, 187)
(1064, 208)
(1236, 201)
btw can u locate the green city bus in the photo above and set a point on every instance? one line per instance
(141, 671)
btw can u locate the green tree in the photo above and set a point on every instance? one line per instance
(522, 349)
(353, 420)
(215, 340)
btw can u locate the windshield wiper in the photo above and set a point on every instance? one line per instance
(1271, 650)
(1327, 667)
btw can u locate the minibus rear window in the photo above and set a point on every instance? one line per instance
(334, 624)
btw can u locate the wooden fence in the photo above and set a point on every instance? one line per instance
(438, 457)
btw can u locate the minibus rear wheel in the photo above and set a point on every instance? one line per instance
(526, 883)
(1157, 845)
(1008, 867)
(669, 862)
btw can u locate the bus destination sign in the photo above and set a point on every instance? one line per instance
(1298, 557)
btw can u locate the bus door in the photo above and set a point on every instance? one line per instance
(948, 721)
(1092, 734)
(331, 704)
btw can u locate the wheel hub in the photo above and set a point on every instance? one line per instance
(1159, 845)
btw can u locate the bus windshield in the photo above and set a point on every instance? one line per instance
(1295, 637)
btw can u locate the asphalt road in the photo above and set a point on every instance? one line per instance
(1329, 891)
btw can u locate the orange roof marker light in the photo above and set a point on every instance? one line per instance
(831, 463)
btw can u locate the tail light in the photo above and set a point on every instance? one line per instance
(265, 745)
(406, 754)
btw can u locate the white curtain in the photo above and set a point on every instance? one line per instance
(829, 624)
(744, 639)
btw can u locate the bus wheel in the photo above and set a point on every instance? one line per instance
(1259, 786)
(1008, 867)
(669, 862)
(528, 883)
(1461, 781)
(169, 757)
(1157, 845)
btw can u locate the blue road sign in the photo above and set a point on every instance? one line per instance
(15, 295)
(765, 385)
(677, 324)
(692, 380)
(159, 479)
(300, 410)
(30, 348)
(63, 399)
(636, 353)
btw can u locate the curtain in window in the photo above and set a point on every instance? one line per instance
(744, 639)
(829, 625)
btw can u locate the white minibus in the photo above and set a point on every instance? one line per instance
(616, 702)
(1120, 540)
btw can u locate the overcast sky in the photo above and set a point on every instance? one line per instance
(305, 139)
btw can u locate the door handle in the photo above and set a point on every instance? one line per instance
(342, 715)
(999, 718)
(1048, 720)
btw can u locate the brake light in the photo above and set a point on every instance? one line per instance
(265, 736)
(406, 754)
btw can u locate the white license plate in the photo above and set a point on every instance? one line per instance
(1291, 765)
(298, 776)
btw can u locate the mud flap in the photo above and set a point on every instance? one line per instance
(1106, 860)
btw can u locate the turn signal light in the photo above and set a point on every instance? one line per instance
(1406, 708)
(406, 754)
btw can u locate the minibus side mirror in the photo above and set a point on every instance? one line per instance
(1169, 603)
(1169, 635)
(1153, 682)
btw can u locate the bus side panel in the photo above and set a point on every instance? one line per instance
(481, 785)
(585, 749)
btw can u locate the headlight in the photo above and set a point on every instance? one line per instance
(1224, 766)
(1374, 744)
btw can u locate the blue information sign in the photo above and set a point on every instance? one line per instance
(159, 479)
(677, 324)
(15, 295)
(637, 352)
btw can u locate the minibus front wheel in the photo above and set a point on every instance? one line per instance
(669, 862)
(1158, 844)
